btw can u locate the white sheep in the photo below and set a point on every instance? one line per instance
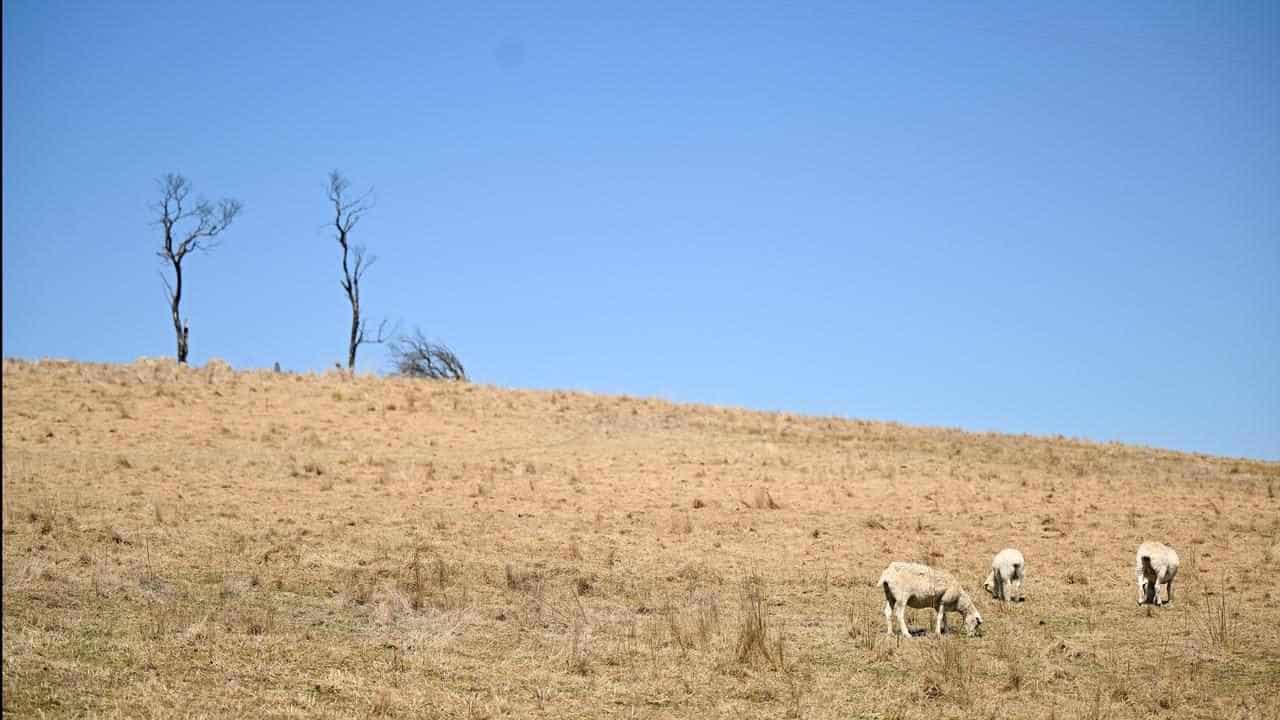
(1007, 570)
(920, 586)
(1156, 564)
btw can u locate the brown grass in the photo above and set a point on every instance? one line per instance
(202, 542)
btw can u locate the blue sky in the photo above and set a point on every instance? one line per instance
(1016, 217)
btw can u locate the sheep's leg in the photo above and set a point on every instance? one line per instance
(1000, 592)
(1168, 591)
(888, 616)
(940, 623)
(1149, 581)
(902, 619)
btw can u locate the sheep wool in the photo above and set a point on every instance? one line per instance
(920, 586)
(1004, 582)
(1156, 564)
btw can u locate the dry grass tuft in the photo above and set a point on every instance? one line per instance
(1016, 660)
(1076, 576)
(1220, 620)
(578, 656)
(753, 623)
(762, 499)
(948, 670)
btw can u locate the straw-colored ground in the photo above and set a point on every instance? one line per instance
(205, 543)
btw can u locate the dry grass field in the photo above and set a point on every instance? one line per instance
(198, 542)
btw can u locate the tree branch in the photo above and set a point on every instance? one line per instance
(167, 287)
(415, 356)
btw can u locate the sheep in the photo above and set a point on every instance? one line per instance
(920, 586)
(1156, 564)
(1007, 570)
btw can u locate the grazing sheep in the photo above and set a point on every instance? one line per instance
(1156, 563)
(1007, 569)
(920, 586)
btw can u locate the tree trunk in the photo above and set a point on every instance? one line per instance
(179, 328)
(355, 335)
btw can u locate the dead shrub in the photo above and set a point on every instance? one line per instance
(417, 357)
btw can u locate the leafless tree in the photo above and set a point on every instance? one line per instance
(415, 356)
(347, 212)
(187, 228)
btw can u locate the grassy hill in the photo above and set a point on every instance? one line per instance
(199, 542)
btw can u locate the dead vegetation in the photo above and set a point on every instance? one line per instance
(334, 546)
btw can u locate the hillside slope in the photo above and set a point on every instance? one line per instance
(199, 542)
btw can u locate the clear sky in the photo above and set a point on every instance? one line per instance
(1024, 217)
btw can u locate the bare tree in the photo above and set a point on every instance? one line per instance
(347, 213)
(415, 356)
(187, 228)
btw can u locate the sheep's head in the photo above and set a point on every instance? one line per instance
(973, 623)
(1148, 589)
(972, 618)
